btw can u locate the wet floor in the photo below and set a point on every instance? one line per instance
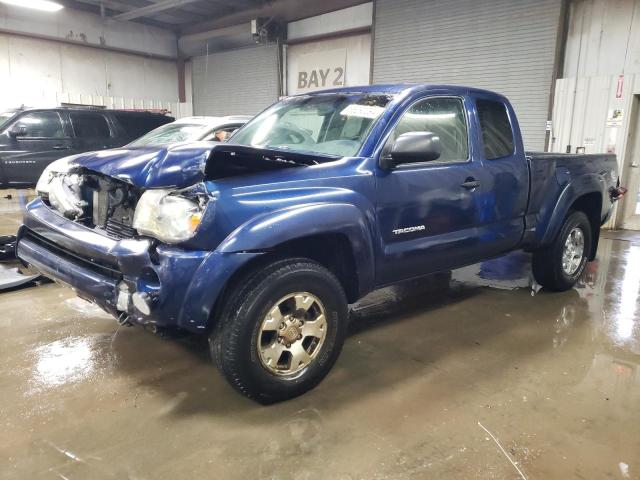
(473, 375)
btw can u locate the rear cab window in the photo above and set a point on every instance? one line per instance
(497, 134)
(137, 124)
(89, 125)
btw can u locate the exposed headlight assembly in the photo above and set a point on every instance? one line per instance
(168, 215)
(54, 169)
(62, 188)
(65, 195)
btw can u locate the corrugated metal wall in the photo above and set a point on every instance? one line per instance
(235, 82)
(502, 45)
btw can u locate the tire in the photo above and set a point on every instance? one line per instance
(548, 269)
(242, 339)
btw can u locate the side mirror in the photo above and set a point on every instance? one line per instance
(17, 131)
(412, 147)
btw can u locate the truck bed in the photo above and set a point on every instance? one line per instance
(553, 175)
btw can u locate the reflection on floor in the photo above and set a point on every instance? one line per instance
(552, 377)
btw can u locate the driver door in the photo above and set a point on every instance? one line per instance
(31, 143)
(429, 212)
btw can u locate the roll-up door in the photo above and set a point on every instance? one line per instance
(235, 82)
(503, 45)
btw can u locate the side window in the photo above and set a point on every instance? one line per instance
(40, 125)
(221, 134)
(443, 116)
(135, 124)
(497, 135)
(89, 125)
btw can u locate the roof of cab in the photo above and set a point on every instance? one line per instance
(400, 88)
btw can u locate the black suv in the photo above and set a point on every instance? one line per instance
(33, 138)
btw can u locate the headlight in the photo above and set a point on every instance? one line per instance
(65, 195)
(60, 166)
(167, 216)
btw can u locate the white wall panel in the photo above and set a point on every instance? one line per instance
(603, 38)
(36, 72)
(581, 112)
(81, 71)
(87, 28)
(602, 49)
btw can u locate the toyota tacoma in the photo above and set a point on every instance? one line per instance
(263, 242)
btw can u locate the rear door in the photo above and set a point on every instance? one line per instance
(92, 131)
(505, 176)
(41, 139)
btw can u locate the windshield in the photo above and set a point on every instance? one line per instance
(4, 116)
(171, 133)
(332, 124)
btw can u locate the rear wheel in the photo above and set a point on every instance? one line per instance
(559, 266)
(281, 330)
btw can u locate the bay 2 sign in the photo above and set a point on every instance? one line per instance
(319, 70)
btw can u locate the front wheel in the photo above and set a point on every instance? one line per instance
(281, 330)
(559, 266)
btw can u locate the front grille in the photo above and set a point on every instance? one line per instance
(107, 269)
(119, 230)
(111, 205)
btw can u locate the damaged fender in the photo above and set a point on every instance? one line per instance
(267, 231)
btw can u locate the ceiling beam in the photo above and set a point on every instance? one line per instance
(152, 9)
(110, 4)
(286, 10)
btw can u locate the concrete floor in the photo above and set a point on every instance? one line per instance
(477, 377)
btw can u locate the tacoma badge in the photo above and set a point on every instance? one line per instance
(416, 228)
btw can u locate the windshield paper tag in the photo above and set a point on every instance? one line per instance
(365, 111)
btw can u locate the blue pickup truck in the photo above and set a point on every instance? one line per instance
(261, 243)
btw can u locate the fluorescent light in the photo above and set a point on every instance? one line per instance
(44, 5)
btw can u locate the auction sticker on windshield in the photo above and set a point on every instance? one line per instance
(365, 111)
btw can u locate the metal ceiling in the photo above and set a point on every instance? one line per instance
(193, 16)
(171, 14)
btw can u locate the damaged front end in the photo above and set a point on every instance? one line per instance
(93, 200)
(111, 199)
(120, 210)
(128, 239)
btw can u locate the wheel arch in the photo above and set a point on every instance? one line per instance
(585, 195)
(591, 205)
(315, 231)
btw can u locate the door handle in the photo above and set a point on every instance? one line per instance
(60, 147)
(470, 183)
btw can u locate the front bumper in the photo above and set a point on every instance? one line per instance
(98, 268)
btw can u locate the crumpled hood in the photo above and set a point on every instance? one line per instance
(185, 164)
(174, 166)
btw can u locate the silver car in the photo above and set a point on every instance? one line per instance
(191, 129)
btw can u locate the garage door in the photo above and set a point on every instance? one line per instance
(235, 82)
(502, 45)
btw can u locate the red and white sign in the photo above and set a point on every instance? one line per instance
(620, 85)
